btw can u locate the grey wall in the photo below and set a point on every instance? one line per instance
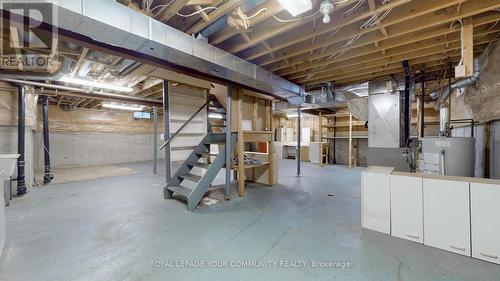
(86, 149)
(342, 151)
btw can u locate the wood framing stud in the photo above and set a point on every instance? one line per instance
(468, 46)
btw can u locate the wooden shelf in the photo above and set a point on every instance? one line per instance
(346, 114)
(345, 138)
(248, 166)
(345, 124)
(257, 136)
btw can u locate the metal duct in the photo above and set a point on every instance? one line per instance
(444, 119)
(129, 33)
(460, 83)
(214, 27)
(78, 92)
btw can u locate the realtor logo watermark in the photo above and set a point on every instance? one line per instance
(24, 45)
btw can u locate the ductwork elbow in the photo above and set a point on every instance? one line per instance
(460, 83)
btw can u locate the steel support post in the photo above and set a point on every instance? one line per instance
(155, 140)
(299, 133)
(166, 129)
(229, 148)
(21, 183)
(47, 177)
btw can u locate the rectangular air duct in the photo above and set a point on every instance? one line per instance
(110, 25)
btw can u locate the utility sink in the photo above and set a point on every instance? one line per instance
(7, 165)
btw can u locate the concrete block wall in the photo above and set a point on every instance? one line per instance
(87, 149)
(342, 151)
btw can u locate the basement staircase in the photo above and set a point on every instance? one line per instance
(189, 187)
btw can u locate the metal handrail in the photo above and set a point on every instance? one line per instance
(184, 125)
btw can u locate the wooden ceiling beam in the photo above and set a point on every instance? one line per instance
(381, 75)
(406, 19)
(401, 34)
(214, 15)
(172, 10)
(265, 33)
(368, 53)
(372, 5)
(272, 8)
(415, 59)
(354, 78)
(393, 52)
(203, 14)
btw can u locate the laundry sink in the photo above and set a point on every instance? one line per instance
(7, 165)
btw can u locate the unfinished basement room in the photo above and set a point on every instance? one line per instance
(345, 140)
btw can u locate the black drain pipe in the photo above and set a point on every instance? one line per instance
(47, 177)
(422, 107)
(21, 125)
(406, 110)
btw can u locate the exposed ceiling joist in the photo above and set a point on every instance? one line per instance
(395, 20)
(214, 15)
(430, 55)
(172, 10)
(409, 28)
(270, 8)
(395, 41)
(424, 47)
(306, 33)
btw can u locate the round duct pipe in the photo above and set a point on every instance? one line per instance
(77, 92)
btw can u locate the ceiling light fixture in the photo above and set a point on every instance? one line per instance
(326, 8)
(296, 7)
(215, 116)
(130, 107)
(94, 84)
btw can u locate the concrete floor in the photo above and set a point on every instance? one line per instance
(115, 228)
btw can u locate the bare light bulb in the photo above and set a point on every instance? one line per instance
(326, 18)
(326, 8)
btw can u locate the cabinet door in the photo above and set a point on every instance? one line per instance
(376, 202)
(406, 208)
(485, 225)
(447, 215)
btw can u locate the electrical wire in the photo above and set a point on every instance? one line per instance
(256, 14)
(354, 8)
(197, 12)
(161, 7)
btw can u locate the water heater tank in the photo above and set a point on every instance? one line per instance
(456, 155)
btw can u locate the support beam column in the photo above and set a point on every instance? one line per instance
(155, 140)
(166, 129)
(468, 46)
(47, 177)
(229, 147)
(21, 125)
(299, 133)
